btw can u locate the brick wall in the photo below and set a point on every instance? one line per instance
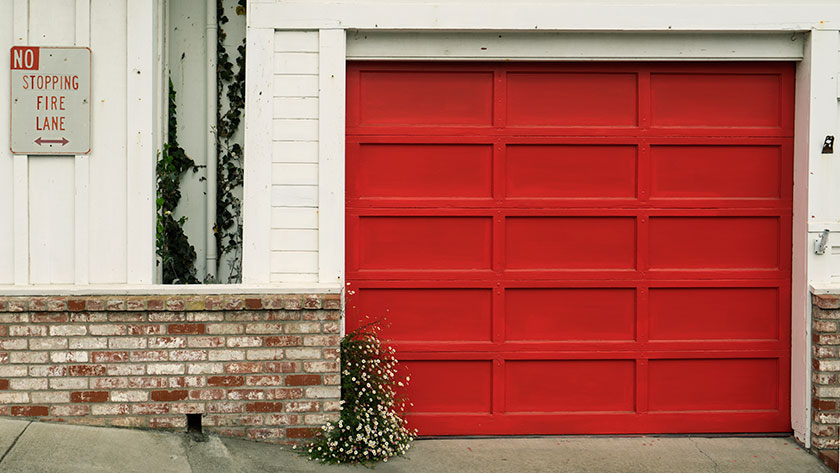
(265, 368)
(825, 378)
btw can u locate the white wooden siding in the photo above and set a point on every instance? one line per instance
(68, 217)
(294, 171)
(7, 250)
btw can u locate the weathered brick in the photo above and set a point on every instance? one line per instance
(225, 381)
(186, 408)
(144, 329)
(323, 392)
(828, 365)
(321, 340)
(126, 316)
(67, 330)
(825, 326)
(149, 409)
(264, 327)
(125, 369)
(167, 342)
(205, 342)
(265, 433)
(283, 341)
(205, 368)
(226, 355)
(50, 397)
(149, 355)
(70, 410)
(188, 355)
(88, 343)
(49, 343)
(186, 329)
(176, 422)
(265, 354)
(68, 383)
(303, 353)
(300, 432)
(244, 367)
(320, 366)
(281, 366)
(29, 357)
(303, 327)
(28, 331)
(109, 356)
(246, 394)
(188, 382)
(282, 419)
(205, 317)
(30, 411)
(126, 343)
(166, 316)
(240, 342)
(49, 317)
(8, 397)
(264, 407)
(69, 356)
(264, 380)
(165, 368)
(12, 371)
(302, 406)
(207, 394)
(86, 370)
(28, 384)
(109, 383)
(89, 396)
(110, 409)
(108, 330)
(228, 407)
(178, 395)
(129, 396)
(175, 304)
(146, 382)
(13, 344)
(312, 301)
(135, 303)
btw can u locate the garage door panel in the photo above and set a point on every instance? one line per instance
(576, 248)
(716, 100)
(714, 243)
(565, 171)
(716, 172)
(564, 243)
(458, 314)
(418, 97)
(420, 243)
(532, 386)
(732, 313)
(420, 171)
(714, 385)
(567, 314)
(572, 99)
(449, 386)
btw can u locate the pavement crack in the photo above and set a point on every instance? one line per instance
(14, 442)
(694, 441)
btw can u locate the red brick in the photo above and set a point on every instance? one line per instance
(283, 341)
(226, 381)
(300, 432)
(4, 384)
(823, 405)
(30, 411)
(155, 304)
(193, 329)
(89, 396)
(49, 317)
(207, 394)
(253, 304)
(281, 367)
(76, 305)
(302, 379)
(86, 370)
(264, 407)
(169, 395)
(108, 356)
(144, 329)
(244, 367)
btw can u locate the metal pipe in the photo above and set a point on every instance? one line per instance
(212, 128)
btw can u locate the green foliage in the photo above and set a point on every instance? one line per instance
(177, 255)
(229, 173)
(371, 426)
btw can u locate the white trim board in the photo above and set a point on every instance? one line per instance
(545, 46)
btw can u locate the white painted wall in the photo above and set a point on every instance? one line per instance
(69, 215)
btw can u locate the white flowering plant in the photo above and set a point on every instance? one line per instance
(372, 426)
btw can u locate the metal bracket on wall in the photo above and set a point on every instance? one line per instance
(821, 243)
(828, 145)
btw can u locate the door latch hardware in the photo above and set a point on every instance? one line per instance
(821, 243)
(828, 145)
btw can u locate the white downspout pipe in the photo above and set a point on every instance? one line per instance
(212, 153)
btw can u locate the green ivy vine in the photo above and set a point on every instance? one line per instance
(176, 254)
(229, 174)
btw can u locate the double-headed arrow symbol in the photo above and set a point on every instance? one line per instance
(41, 141)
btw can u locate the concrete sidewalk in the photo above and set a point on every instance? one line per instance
(57, 448)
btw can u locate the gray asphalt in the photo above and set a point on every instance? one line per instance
(34, 447)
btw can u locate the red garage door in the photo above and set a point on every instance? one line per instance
(576, 248)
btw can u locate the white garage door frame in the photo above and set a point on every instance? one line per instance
(372, 30)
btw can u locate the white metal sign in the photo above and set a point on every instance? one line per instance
(50, 100)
